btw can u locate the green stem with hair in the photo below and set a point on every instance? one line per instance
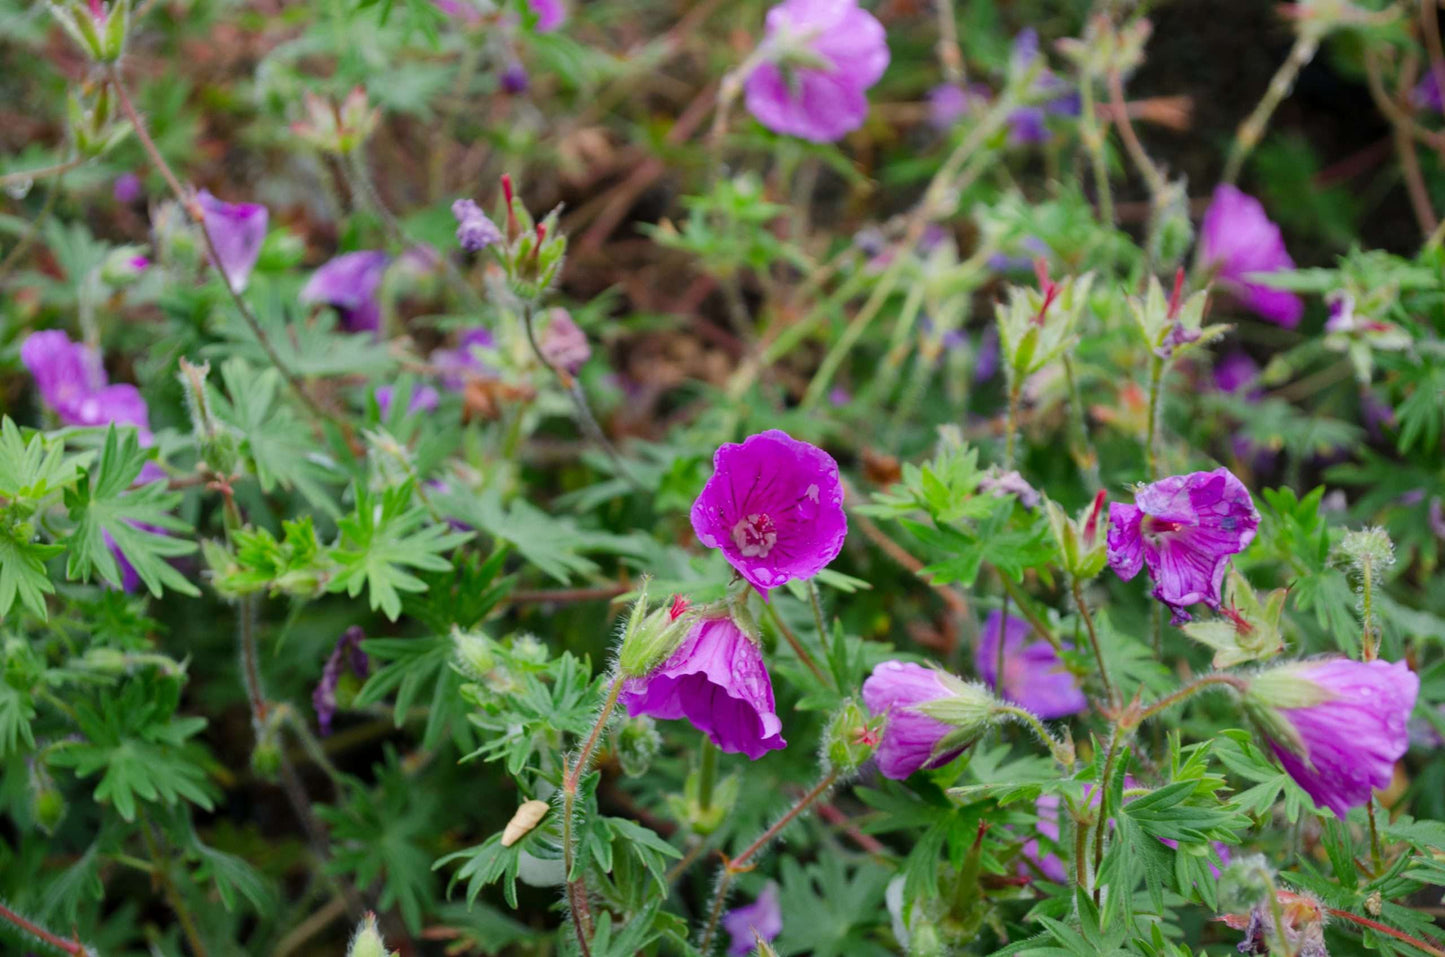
(1252, 129)
(578, 908)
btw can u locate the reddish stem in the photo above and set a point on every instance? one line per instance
(72, 946)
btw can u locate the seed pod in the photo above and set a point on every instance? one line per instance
(521, 824)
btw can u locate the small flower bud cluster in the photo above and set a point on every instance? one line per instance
(1105, 48)
(1173, 326)
(218, 443)
(1082, 540)
(96, 126)
(530, 252)
(337, 129)
(1036, 326)
(100, 30)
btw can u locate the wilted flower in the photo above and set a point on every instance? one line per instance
(1034, 677)
(931, 716)
(475, 230)
(423, 399)
(763, 918)
(349, 283)
(774, 507)
(346, 657)
(1184, 528)
(564, 344)
(237, 230)
(818, 59)
(1236, 240)
(715, 679)
(1337, 725)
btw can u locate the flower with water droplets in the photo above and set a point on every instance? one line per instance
(349, 283)
(1034, 677)
(760, 920)
(1184, 529)
(1337, 725)
(237, 230)
(774, 508)
(931, 716)
(818, 59)
(1238, 240)
(715, 679)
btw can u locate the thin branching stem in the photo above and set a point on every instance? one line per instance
(72, 946)
(1083, 607)
(1252, 129)
(162, 874)
(578, 907)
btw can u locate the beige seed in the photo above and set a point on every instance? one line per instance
(523, 821)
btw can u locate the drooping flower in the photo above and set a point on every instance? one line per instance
(349, 284)
(820, 56)
(774, 507)
(1337, 725)
(346, 657)
(423, 399)
(1184, 528)
(238, 230)
(1236, 240)
(564, 344)
(762, 919)
(715, 679)
(475, 229)
(1034, 677)
(916, 735)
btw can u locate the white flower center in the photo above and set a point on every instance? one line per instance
(755, 535)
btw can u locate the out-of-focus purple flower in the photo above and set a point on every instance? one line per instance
(774, 507)
(423, 399)
(948, 103)
(513, 78)
(66, 373)
(564, 345)
(1184, 528)
(1426, 95)
(1337, 725)
(822, 57)
(986, 365)
(1236, 373)
(913, 739)
(129, 580)
(238, 230)
(1048, 863)
(838, 396)
(349, 284)
(1020, 258)
(551, 14)
(1034, 677)
(457, 365)
(346, 656)
(1236, 240)
(1027, 124)
(475, 229)
(127, 188)
(715, 679)
(998, 482)
(762, 919)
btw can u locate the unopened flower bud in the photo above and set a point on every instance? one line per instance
(368, 942)
(473, 653)
(219, 445)
(636, 744)
(851, 737)
(651, 637)
(47, 804)
(124, 266)
(1081, 540)
(1368, 548)
(95, 126)
(1036, 326)
(266, 760)
(99, 30)
(1244, 883)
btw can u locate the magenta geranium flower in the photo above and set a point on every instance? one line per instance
(1238, 239)
(349, 284)
(762, 919)
(1184, 528)
(73, 383)
(818, 59)
(237, 229)
(913, 740)
(774, 507)
(1034, 677)
(1337, 725)
(715, 679)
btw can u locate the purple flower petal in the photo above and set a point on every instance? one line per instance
(551, 14)
(237, 229)
(564, 344)
(1034, 677)
(347, 655)
(716, 679)
(423, 399)
(763, 918)
(910, 738)
(1237, 239)
(774, 507)
(475, 229)
(816, 104)
(349, 283)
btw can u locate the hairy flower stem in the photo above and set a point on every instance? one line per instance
(796, 645)
(577, 905)
(1369, 644)
(1102, 828)
(818, 620)
(1093, 137)
(1252, 129)
(1083, 606)
(1377, 854)
(72, 946)
(950, 56)
(1197, 685)
(1011, 424)
(27, 176)
(309, 404)
(1151, 438)
(1090, 457)
(739, 864)
(1062, 752)
(569, 383)
(1415, 942)
(1037, 623)
(161, 872)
